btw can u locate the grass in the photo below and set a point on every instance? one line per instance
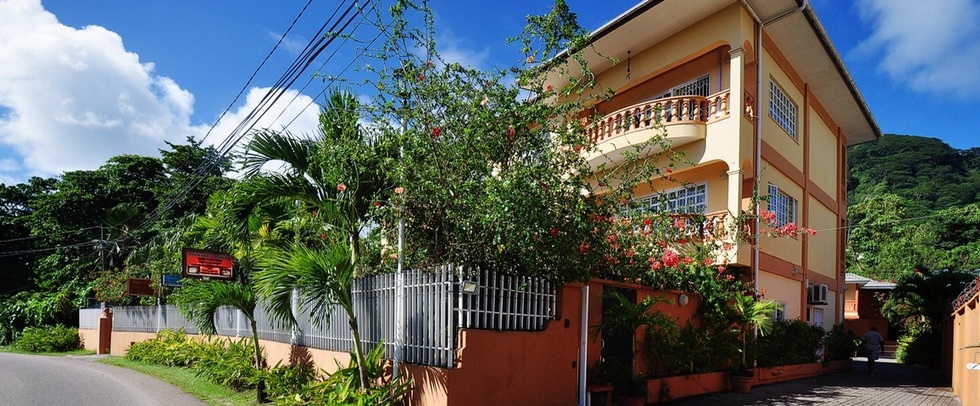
(184, 379)
(11, 349)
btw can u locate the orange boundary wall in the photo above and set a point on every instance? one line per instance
(963, 335)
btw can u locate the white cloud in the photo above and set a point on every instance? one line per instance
(933, 46)
(293, 112)
(72, 98)
(76, 97)
(453, 49)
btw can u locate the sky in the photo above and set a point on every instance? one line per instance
(83, 81)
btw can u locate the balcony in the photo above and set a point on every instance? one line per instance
(850, 309)
(684, 118)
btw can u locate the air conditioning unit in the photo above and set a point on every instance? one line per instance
(817, 294)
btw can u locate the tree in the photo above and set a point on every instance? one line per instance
(749, 313)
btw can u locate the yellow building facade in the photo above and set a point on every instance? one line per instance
(753, 93)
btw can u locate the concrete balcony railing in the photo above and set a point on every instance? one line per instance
(684, 118)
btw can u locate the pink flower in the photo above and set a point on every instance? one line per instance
(377, 203)
(399, 190)
(341, 187)
(656, 265)
(647, 222)
(721, 268)
(421, 77)
(707, 261)
(670, 258)
(548, 88)
(530, 59)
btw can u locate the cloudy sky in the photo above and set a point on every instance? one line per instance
(82, 81)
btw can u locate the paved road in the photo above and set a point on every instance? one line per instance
(56, 381)
(892, 384)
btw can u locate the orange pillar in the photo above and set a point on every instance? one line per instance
(105, 332)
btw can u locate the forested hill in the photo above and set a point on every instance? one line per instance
(929, 174)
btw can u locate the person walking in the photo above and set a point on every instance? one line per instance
(873, 342)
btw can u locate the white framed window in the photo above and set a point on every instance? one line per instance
(779, 314)
(782, 109)
(782, 204)
(818, 317)
(690, 199)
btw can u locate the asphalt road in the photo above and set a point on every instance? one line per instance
(52, 381)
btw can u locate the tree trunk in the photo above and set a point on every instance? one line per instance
(260, 386)
(358, 351)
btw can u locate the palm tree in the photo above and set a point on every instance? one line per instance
(200, 302)
(750, 313)
(325, 278)
(333, 175)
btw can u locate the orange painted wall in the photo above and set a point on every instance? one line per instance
(965, 322)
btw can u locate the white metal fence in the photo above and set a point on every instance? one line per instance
(88, 319)
(434, 306)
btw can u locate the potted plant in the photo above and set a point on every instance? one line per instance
(748, 314)
(624, 313)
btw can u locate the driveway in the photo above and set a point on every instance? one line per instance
(892, 384)
(81, 380)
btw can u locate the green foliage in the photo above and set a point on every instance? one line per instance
(48, 339)
(170, 348)
(228, 363)
(110, 287)
(920, 349)
(921, 300)
(789, 342)
(283, 381)
(838, 345)
(690, 350)
(343, 387)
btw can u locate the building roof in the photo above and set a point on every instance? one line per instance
(867, 283)
(799, 36)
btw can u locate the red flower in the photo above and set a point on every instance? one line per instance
(341, 187)
(436, 132)
(647, 222)
(669, 170)
(313, 214)
(656, 265)
(323, 236)
(511, 134)
(548, 88)
(707, 261)
(544, 185)
(670, 258)
(554, 232)
(431, 64)
(583, 248)
(721, 268)
(421, 77)
(377, 203)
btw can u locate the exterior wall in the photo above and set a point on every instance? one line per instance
(710, 174)
(786, 290)
(822, 248)
(90, 339)
(965, 323)
(822, 159)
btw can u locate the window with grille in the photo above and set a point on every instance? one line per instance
(782, 109)
(696, 87)
(688, 200)
(782, 204)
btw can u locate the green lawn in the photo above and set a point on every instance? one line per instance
(76, 352)
(184, 379)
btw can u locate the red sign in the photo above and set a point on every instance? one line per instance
(140, 287)
(207, 264)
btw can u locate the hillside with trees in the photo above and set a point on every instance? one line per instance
(912, 202)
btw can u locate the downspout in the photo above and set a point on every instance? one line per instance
(759, 24)
(583, 348)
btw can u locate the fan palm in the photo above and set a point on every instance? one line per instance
(750, 313)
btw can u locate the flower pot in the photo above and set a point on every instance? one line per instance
(740, 384)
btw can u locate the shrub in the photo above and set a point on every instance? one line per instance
(838, 345)
(789, 342)
(286, 380)
(170, 348)
(229, 363)
(48, 339)
(343, 386)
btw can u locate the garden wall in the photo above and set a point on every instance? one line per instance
(963, 365)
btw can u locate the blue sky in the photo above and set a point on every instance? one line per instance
(82, 81)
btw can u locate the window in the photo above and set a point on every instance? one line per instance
(818, 317)
(696, 87)
(779, 314)
(688, 199)
(782, 204)
(782, 109)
